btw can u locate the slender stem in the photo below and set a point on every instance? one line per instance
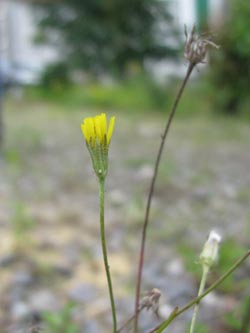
(205, 271)
(1, 115)
(105, 256)
(151, 192)
(160, 328)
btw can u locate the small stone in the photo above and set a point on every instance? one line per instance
(20, 311)
(145, 172)
(63, 270)
(117, 197)
(43, 300)
(229, 191)
(83, 293)
(22, 279)
(175, 267)
(6, 260)
(201, 194)
(165, 310)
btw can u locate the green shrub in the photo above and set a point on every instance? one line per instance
(231, 65)
(137, 94)
(55, 76)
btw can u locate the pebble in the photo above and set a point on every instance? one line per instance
(22, 279)
(145, 172)
(63, 270)
(117, 197)
(43, 300)
(20, 311)
(83, 293)
(7, 259)
(175, 267)
(165, 310)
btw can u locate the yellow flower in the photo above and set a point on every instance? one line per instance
(98, 136)
(95, 131)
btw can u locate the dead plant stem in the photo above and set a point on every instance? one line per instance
(151, 192)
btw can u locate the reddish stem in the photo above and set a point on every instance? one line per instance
(151, 192)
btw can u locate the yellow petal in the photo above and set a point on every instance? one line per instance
(97, 128)
(88, 129)
(100, 127)
(110, 129)
(103, 124)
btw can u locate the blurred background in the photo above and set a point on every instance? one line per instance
(61, 61)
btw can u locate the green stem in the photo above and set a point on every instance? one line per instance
(201, 289)
(105, 255)
(160, 328)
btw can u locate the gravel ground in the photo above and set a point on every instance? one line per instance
(50, 251)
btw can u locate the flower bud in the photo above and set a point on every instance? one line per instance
(209, 254)
(97, 136)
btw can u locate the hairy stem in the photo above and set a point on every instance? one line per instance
(105, 256)
(151, 192)
(160, 328)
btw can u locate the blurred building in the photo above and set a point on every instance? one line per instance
(21, 60)
(201, 12)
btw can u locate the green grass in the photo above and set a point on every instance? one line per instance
(61, 321)
(22, 223)
(137, 94)
(131, 95)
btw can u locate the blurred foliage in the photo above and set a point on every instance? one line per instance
(238, 321)
(231, 65)
(22, 223)
(61, 322)
(106, 37)
(199, 328)
(230, 251)
(140, 93)
(55, 76)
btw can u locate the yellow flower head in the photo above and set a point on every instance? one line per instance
(95, 131)
(98, 136)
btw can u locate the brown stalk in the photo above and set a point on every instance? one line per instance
(151, 192)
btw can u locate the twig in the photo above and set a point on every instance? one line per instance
(151, 192)
(160, 328)
(128, 321)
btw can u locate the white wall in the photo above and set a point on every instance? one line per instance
(21, 30)
(218, 12)
(185, 13)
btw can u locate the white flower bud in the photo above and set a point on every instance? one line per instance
(209, 254)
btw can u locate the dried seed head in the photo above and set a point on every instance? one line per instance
(151, 300)
(196, 47)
